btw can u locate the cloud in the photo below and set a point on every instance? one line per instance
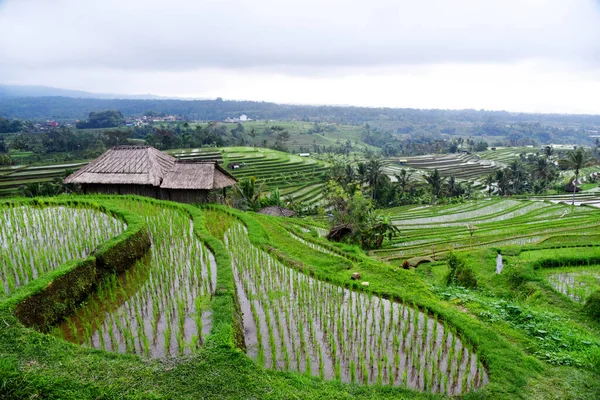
(180, 35)
(521, 55)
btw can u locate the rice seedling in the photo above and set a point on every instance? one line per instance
(159, 307)
(36, 240)
(337, 333)
(576, 282)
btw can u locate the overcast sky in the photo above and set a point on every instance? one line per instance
(521, 55)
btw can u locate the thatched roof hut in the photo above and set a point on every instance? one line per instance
(145, 171)
(205, 175)
(277, 211)
(126, 165)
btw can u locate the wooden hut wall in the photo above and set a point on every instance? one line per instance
(140, 190)
(187, 195)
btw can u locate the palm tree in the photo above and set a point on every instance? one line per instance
(375, 175)
(454, 188)
(361, 170)
(436, 181)
(248, 191)
(252, 134)
(403, 179)
(350, 173)
(576, 160)
(543, 170)
(489, 181)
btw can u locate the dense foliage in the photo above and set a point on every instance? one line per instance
(517, 128)
(102, 119)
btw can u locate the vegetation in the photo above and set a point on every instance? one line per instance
(507, 337)
(387, 290)
(458, 273)
(592, 305)
(102, 119)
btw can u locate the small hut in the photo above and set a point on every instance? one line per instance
(146, 171)
(277, 211)
(191, 181)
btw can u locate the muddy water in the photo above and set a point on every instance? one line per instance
(576, 283)
(160, 307)
(294, 322)
(34, 241)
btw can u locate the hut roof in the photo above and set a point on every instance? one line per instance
(134, 165)
(277, 211)
(197, 175)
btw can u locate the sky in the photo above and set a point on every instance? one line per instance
(516, 55)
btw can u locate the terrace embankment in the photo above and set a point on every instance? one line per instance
(43, 289)
(159, 308)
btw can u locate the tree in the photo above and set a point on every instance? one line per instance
(102, 119)
(403, 179)
(454, 188)
(435, 181)
(252, 134)
(379, 228)
(375, 176)
(116, 137)
(544, 171)
(248, 191)
(5, 159)
(361, 171)
(576, 159)
(42, 189)
(488, 181)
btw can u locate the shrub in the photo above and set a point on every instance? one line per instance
(516, 277)
(592, 305)
(460, 274)
(466, 277)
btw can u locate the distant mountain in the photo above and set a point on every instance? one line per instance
(47, 91)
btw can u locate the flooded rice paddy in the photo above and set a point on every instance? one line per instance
(36, 240)
(159, 308)
(577, 283)
(294, 322)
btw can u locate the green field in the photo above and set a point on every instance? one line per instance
(251, 306)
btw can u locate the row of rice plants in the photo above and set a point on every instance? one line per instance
(576, 283)
(35, 240)
(485, 211)
(294, 322)
(529, 224)
(159, 309)
(312, 245)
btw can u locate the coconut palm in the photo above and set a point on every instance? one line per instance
(403, 179)
(375, 176)
(576, 159)
(543, 170)
(361, 171)
(489, 181)
(436, 181)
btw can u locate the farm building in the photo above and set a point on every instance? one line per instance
(146, 171)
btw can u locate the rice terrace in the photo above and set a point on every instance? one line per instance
(335, 274)
(159, 247)
(127, 296)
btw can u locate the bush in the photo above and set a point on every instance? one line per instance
(460, 274)
(516, 277)
(466, 277)
(592, 305)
